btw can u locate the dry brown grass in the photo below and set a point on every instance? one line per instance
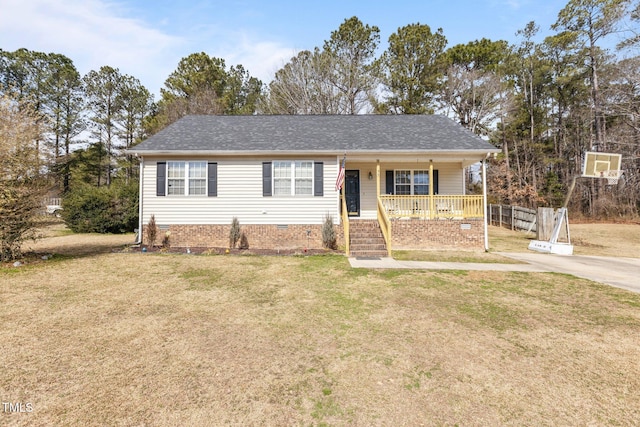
(167, 340)
(57, 239)
(474, 256)
(620, 240)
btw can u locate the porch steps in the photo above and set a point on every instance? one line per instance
(366, 239)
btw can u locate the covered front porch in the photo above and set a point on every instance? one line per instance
(417, 204)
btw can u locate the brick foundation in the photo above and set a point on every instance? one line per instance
(260, 236)
(437, 234)
(406, 234)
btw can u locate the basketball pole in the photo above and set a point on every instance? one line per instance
(571, 188)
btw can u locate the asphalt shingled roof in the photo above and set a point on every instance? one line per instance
(323, 133)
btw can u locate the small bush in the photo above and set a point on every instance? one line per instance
(20, 203)
(234, 233)
(152, 231)
(244, 242)
(166, 243)
(329, 239)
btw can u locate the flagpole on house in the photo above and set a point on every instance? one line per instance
(341, 173)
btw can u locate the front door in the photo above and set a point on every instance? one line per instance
(352, 192)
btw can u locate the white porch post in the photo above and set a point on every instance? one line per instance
(484, 204)
(377, 179)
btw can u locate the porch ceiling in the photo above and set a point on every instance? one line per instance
(466, 158)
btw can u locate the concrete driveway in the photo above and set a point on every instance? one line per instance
(619, 272)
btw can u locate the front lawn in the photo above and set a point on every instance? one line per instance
(167, 339)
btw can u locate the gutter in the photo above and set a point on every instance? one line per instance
(330, 153)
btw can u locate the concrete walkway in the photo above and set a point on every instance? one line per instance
(619, 272)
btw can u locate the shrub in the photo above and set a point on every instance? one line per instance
(329, 239)
(244, 242)
(20, 203)
(234, 233)
(166, 242)
(88, 209)
(127, 203)
(152, 231)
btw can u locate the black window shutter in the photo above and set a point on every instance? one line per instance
(318, 178)
(435, 181)
(389, 180)
(161, 178)
(212, 177)
(266, 179)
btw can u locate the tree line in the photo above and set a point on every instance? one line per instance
(87, 121)
(543, 103)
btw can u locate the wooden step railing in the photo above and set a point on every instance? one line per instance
(345, 224)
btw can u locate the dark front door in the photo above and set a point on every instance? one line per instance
(352, 192)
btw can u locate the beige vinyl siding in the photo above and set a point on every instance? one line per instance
(450, 178)
(239, 195)
(450, 181)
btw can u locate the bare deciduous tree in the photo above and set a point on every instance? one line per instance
(22, 183)
(473, 96)
(302, 86)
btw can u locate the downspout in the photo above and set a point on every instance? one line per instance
(140, 198)
(484, 204)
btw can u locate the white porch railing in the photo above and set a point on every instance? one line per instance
(433, 207)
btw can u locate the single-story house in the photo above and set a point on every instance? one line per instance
(403, 185)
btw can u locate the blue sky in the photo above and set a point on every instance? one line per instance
(147, 38)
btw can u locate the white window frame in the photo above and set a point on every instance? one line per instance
(293, 164)
(188, 166)
(412, 181)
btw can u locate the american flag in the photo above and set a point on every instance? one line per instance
(340, 179)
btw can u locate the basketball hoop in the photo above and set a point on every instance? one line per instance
(598, 165)
(602, 165)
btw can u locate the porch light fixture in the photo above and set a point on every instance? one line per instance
(370, 176)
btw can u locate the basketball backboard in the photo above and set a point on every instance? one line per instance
(601, 165)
